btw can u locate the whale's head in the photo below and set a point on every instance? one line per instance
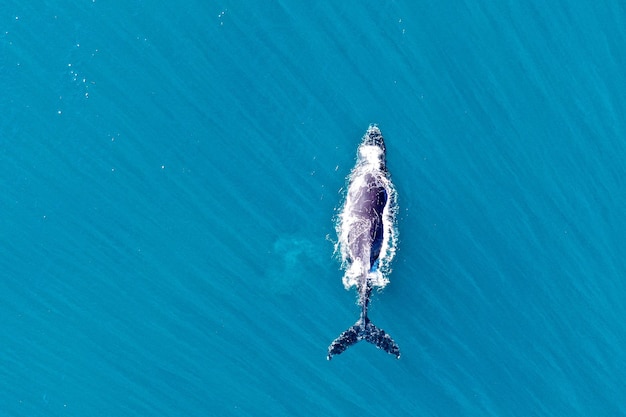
(373, 137)
(372, 150)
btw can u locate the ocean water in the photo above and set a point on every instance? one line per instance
(170, 173)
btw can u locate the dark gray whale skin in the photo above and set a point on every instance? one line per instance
(369, 206)
(368, 209)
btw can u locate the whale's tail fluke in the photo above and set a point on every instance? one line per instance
(363, 329)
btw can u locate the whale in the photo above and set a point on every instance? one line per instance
(367, 239)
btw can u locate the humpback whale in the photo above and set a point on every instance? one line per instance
(367, 238)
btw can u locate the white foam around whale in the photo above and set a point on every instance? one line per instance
(370, 160)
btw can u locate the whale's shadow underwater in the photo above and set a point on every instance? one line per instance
(366, 228)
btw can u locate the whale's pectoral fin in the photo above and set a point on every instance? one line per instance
(363, 330)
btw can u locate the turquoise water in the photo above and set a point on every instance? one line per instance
(170, 172)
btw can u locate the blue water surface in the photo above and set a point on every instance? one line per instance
(170, 172)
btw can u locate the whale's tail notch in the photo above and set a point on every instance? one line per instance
(363, 329)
